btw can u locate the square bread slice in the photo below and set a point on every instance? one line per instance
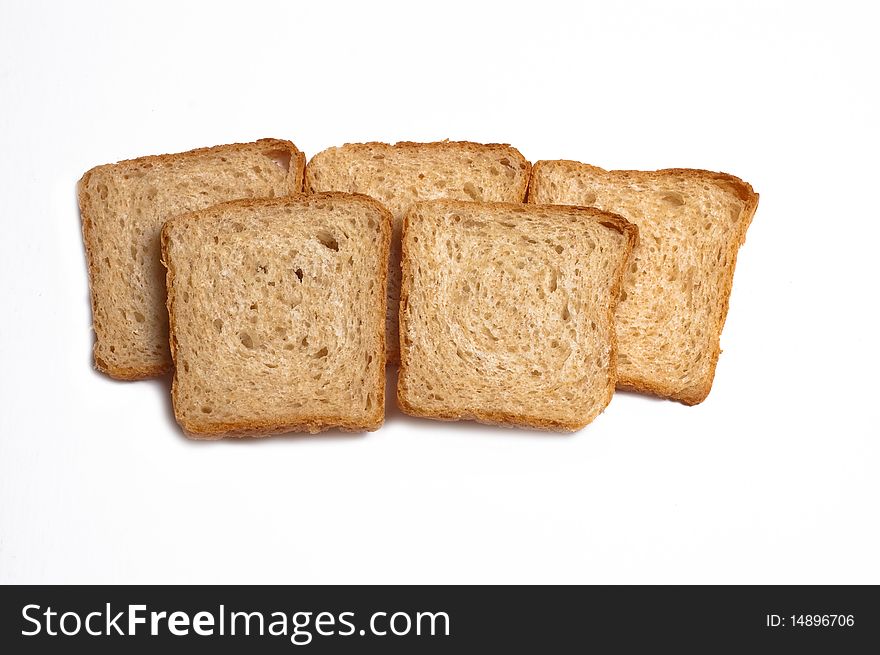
(123, 207)
(277, 311)
(404, 173)
(676, 291)
(507, 312)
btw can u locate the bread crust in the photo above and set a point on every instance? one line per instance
(131, 373)
(299, 423)
(607, 219)
(744, 191)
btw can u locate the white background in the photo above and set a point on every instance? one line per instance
(775, 478)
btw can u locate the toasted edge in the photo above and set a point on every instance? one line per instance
(744, 191)
(313, 423)
(507, 419)
(429, 145)
(130, 373)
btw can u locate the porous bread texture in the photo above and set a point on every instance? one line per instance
(677, 287)
(277, 312)
(506, 312)
(404, 173)
(123, 206)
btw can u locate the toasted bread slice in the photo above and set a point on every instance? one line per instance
(675, 295)
(277, 311)
(123, 207)
(401, 174)
(507, 312)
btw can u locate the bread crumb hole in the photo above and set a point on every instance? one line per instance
(218, 325)
(206, 409)
(321, 353)
(472, 192)
(559, 249)
(246, 340)
(565, 313)
(326, 239)
(280, 157)
(237, 227)
(673, 198)
(299, 274)
(139, 317)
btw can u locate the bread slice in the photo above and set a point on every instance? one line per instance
(401, 174)
(691, 224)
(277, 312)
(507, 312)
(123, 207)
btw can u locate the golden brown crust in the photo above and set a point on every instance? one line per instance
(131, 373)
(607, 219)
(502, 419)
(310, 424)
(306, 424)
(742, 190)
